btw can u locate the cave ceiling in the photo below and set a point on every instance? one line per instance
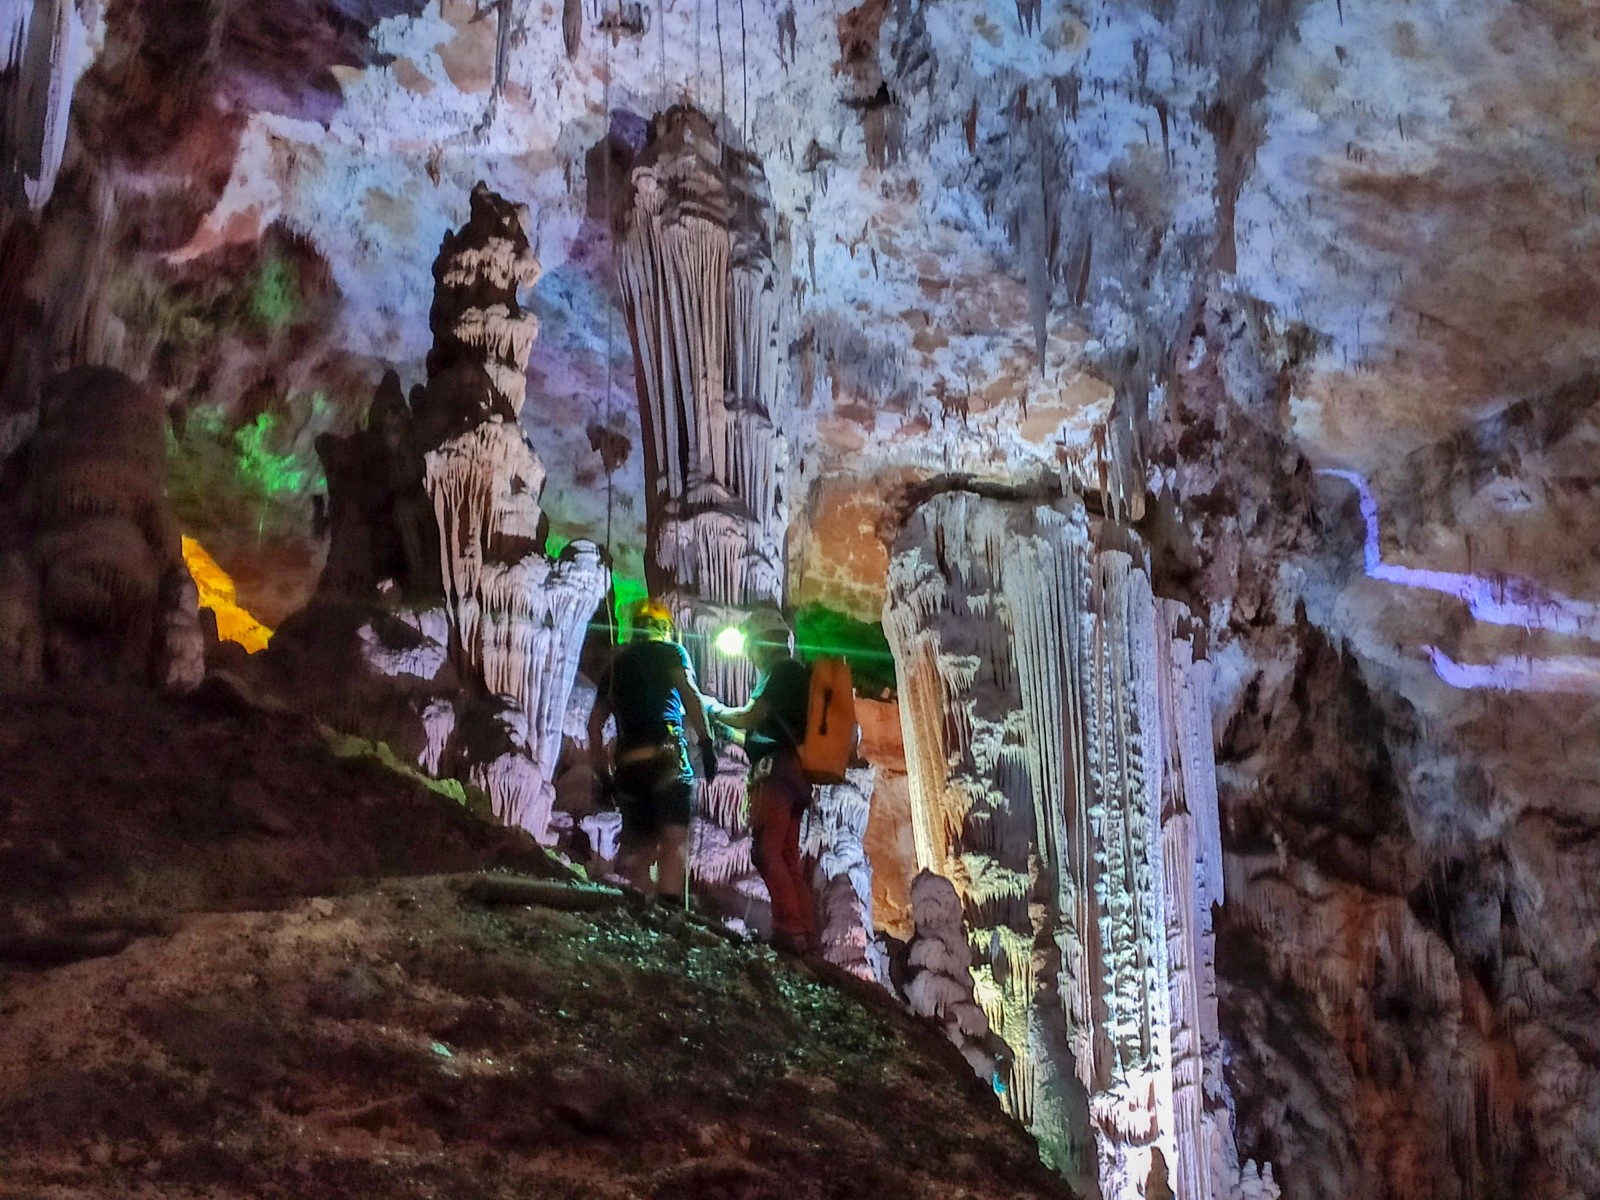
(999, 219)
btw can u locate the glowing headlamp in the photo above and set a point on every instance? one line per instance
(730, 642)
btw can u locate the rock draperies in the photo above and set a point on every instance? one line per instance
(1059, 748)
(700, 260)
(436, 504)
(93, 584)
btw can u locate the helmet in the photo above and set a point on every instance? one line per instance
(651, 617)
(767, 626)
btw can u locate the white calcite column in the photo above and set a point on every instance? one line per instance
(1058, 743)
(701, 270)
(517, 617)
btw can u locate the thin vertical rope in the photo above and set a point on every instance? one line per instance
(606, 185)
(722, 67)
(661, 38)
(744, 69)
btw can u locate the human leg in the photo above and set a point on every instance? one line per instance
(641, 832)
(804, 900)
(673, 806)
(672, 878)
(775, 827)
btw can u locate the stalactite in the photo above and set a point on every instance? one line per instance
(572, 27)
(43, 49)
(1033, 625)
(703, 271)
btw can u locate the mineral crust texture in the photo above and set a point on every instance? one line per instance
(1057, 732)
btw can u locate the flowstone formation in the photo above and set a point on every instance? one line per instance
(1058, 740)
(93, 585)
(833, 834)
(434, 510)
(703, 273)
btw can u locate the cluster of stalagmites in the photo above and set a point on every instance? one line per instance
(440, 624)
(92, 580)
(701, 259)
(1058, 738)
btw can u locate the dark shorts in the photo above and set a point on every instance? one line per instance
(653, 792)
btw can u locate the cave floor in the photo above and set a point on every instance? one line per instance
(393, 1037)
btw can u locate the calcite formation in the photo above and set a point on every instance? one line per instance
(478, 280)
(518, 619)
(1058, 740)
(703, 282)
(437, 503)
(703, 271)
(93, 584)
(1007, 220)
(939, 970)
(833, 834)
(45, 45)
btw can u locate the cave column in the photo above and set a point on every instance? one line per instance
(1059, 749)
(700, 267)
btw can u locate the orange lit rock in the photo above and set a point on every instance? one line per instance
(234, 624)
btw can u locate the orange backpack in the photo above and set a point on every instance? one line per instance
(831, 731)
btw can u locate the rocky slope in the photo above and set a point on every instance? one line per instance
(395, 1035)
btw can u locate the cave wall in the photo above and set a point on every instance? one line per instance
(1178, 256)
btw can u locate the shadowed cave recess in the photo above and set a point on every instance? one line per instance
(1183, 417)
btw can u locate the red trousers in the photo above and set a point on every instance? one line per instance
(777, 802)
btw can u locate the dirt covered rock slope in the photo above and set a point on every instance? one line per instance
(230, 1036)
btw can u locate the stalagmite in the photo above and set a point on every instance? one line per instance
(1058, 741)
(94, 584)
(476, 315)
(494, 753)
(472, 574)
(832, 834)
(703, 271)
(940, 983)
(518, 618)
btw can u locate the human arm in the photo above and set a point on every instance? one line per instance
(695, 707)
(746, 716)
(597, 726)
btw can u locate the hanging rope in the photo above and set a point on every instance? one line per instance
(661, 39)
(722, 67)
(744, 69)
(611, 471)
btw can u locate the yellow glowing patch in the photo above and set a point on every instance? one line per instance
(217, 593)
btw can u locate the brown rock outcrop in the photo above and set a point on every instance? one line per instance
(93, 584)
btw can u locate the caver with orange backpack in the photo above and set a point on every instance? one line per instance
(800, 730)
